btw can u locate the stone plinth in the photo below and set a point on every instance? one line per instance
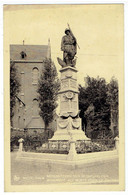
(68, 92)
(69, 123)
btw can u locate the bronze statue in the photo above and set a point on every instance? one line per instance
(69, 48)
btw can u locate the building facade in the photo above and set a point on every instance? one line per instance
(29, 64)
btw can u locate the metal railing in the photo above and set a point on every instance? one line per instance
(96, 145)
(82, 146)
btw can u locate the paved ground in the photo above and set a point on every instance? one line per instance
(25, 173)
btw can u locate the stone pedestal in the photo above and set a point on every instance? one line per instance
(69, 123)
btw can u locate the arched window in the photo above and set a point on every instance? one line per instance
(35, 75)
(35, 107)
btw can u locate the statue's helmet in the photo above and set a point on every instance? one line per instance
(67, 30)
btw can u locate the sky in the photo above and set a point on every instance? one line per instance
(97, 28)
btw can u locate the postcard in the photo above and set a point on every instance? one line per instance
(64, 97)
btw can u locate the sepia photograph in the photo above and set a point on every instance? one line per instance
(64, 97)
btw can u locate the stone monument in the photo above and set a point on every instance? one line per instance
(69, 122)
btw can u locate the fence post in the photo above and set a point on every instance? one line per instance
(21, 140)
(72, 151)
(116, 143)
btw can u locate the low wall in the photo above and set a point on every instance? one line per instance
(62, 160)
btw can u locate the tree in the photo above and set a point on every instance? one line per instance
(48, 88)
(112, 98)
(14, 88)
(95, 94)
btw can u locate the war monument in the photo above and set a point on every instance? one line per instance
(69, 122)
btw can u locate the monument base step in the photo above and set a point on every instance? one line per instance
(70, 135)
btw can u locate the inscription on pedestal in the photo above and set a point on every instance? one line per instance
(65, 105)
(74, 105)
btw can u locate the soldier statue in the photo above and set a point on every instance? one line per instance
(69, 48)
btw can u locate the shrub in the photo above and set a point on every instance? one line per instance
(30, 141)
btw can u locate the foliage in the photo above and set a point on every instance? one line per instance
(15, 136)
(48, 88)
(95, 102)
(31, 141)
(113, 92)
(14, 87)
(112, 98)
(97, 145)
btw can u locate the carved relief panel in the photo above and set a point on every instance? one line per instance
(73, 84)
(69, 102)
(64, 84)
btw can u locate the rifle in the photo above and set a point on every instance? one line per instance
(72, 35)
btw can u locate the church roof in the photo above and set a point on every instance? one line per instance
(32, 52)
(35, 123)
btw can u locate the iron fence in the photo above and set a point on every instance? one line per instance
(82, 146)
(96, 145)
